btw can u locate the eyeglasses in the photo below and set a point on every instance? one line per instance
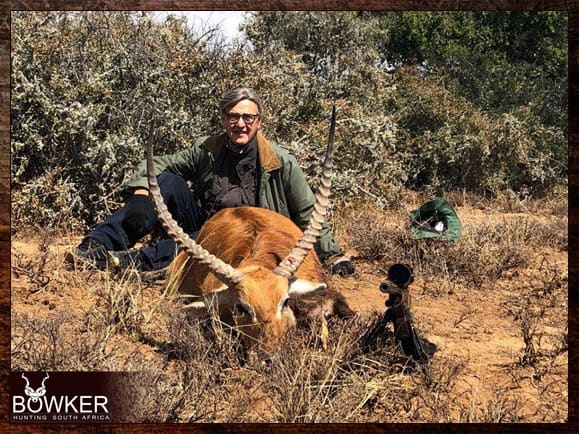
(248, 118)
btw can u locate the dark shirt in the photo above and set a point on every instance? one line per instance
(235, 180)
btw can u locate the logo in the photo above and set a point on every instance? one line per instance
(64, 405)
(35, 395)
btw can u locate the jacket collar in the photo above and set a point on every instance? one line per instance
(267, 157)
(268, 160)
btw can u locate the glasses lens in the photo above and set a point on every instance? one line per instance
(248, 118)
(233, 118)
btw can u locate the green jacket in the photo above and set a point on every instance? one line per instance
(282, 185)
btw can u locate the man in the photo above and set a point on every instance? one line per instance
(238, 167)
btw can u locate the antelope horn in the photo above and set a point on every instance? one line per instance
(225, 272)
(290, 264)
(27, 382)
(45, 378)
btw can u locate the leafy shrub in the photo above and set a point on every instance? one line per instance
(448, 143)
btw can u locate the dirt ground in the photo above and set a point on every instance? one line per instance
(506, 341)
(478, 332)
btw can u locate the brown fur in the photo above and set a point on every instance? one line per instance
(254, 241)
(243, 236)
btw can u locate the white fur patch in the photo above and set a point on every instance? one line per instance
(301, 287)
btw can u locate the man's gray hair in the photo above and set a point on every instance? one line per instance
(238, 94)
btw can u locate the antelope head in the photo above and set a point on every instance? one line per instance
(35, 394)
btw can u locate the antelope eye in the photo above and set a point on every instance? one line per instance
(239, 310)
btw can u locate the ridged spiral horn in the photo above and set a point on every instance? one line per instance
(291, 263)
(224, 272)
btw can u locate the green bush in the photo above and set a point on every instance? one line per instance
(449, 144)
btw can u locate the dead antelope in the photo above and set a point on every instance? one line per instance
(250, 262)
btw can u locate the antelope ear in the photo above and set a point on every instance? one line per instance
(301, 287)
(222, 296)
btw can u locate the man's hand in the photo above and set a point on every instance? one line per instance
(341, 265)
(136, 222)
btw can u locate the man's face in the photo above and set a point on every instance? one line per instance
(240, 130)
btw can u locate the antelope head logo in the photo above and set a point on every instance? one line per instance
(35, 394)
